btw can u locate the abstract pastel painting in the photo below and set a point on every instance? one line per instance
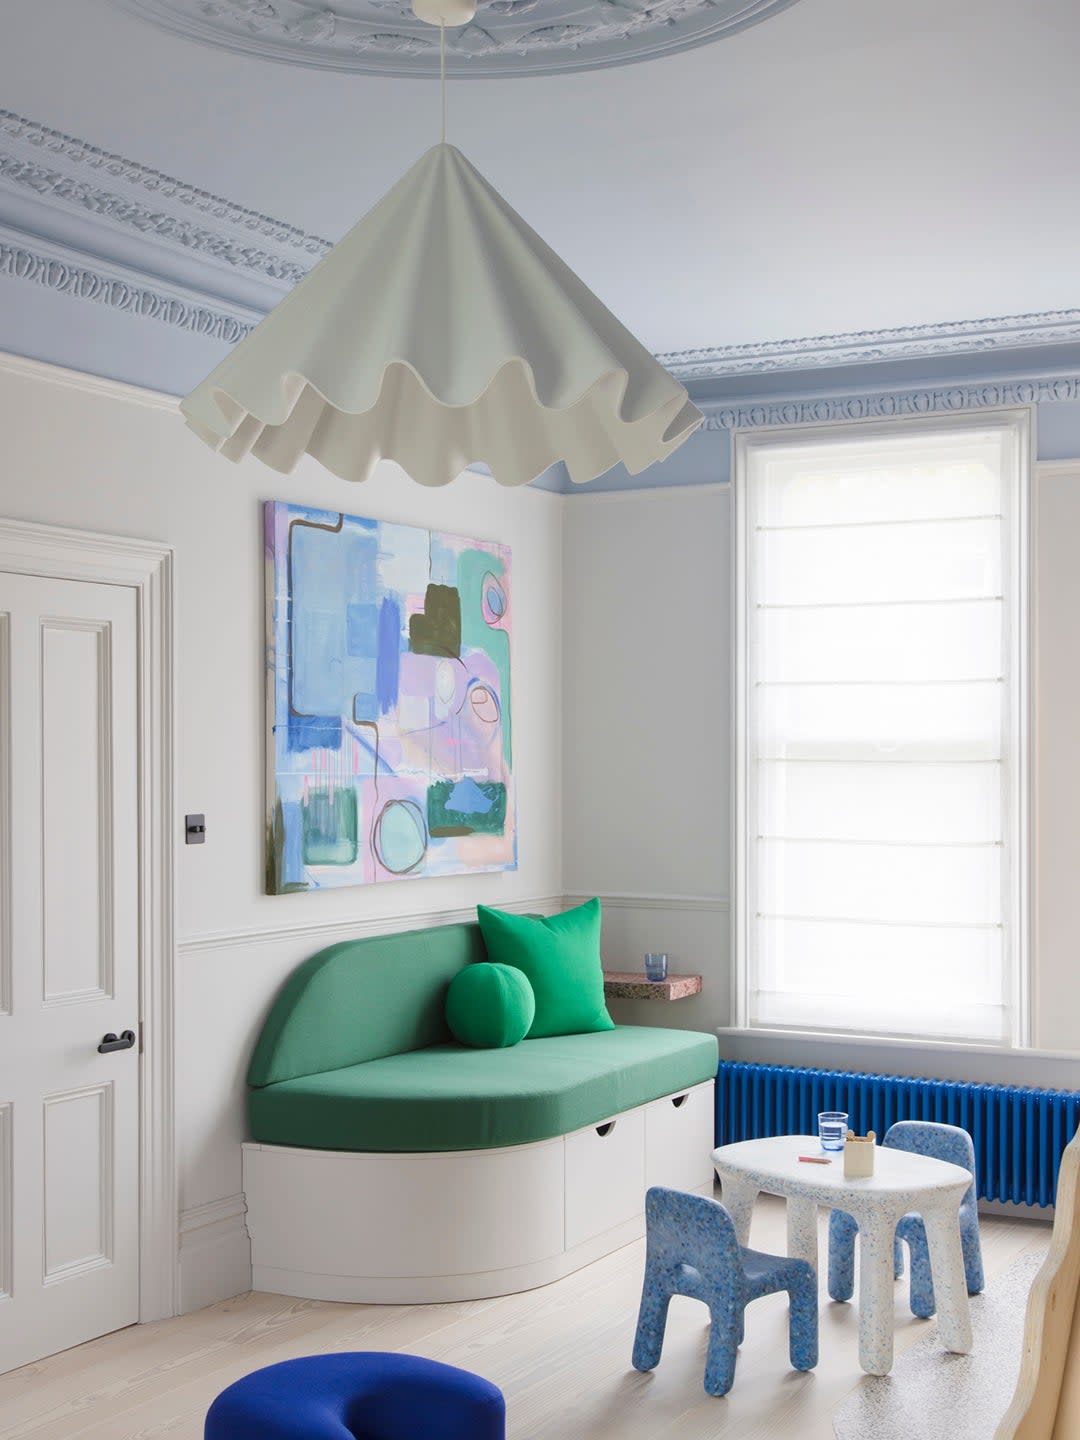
(388, 702)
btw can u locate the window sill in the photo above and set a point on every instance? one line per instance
(946, 1060)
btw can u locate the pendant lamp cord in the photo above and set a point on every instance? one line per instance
(442, 75)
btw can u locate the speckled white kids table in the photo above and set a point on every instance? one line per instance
(901, 1182)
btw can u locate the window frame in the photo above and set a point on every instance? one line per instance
(1017, 424)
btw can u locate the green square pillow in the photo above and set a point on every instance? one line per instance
(560, 956)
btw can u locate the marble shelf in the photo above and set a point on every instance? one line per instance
(634, 985)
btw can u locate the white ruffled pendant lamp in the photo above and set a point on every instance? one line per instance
(442, 332)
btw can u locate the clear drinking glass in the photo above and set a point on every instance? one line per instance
(832, 1129)
(656, 966)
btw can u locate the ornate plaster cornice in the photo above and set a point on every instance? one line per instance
(84, 282)
(890, 404)
(868, 347)
(71, 172)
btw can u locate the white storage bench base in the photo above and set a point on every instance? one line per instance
(465, 1225)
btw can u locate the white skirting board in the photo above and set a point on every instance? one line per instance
(413, 1228)
(1019, 1211)
(214, 1253)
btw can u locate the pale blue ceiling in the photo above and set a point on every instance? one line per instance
(792, 180)
(842, 166)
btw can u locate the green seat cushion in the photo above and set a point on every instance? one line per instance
(448, 1097)
(560, 955)
(489, 1006)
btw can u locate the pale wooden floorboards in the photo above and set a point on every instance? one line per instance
(561, 1354)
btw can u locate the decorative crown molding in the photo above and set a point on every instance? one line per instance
(867, 347)
(94, 224)
(51, 165)
(892, 404)
(506, 37)
(84, 282)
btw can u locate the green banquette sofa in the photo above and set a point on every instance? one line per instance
(387, 1162)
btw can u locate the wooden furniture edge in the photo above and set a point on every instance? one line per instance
(1048, 1327)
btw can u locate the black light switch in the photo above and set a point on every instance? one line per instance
(195, 829)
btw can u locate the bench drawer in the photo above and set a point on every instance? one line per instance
(679, 1139)
(404, 1216)
(605, 1176)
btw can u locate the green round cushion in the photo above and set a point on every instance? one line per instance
(490, 1006)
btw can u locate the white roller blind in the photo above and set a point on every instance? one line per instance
(880, 671)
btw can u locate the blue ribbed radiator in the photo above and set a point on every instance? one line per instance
(1019, 1134)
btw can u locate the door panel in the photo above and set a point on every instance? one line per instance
(76, 761)
(69, 887)
(78, 1218)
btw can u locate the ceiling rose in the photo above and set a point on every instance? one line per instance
(506, 37)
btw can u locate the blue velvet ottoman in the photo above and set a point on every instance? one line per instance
(369, 1394)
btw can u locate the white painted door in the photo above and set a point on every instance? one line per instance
(69, 974)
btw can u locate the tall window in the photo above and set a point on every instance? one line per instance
(880, 728)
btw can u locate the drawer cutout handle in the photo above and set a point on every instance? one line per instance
(606, 1128)
(678, 1100)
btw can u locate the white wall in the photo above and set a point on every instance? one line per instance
(1056, 853)
(647, 733)
(647, 797)
(94, 456)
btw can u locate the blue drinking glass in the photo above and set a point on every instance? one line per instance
(655, 966)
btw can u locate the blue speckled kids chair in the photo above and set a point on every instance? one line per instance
(369, 1394)
(918, 1137)
(691, 1249)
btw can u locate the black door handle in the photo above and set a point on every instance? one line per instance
(123, 1041)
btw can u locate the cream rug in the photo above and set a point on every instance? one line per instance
(931, 1393)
